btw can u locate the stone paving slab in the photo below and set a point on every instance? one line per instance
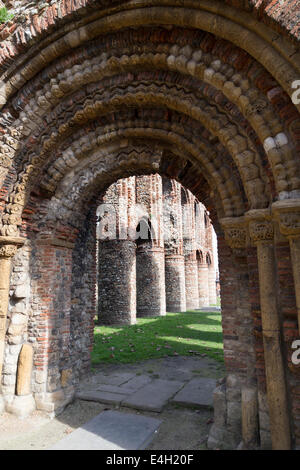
(127, 388)
(101, 396)
(136, 383)
(117, 378)
(154, 396)
(112, 430)
(197, 392)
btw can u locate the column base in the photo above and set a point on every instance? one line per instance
(54, 403)
(22, 406)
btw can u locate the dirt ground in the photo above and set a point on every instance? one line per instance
(181, 428)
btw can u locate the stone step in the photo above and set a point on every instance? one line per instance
(197, 392)
(108, 397)
(112, 430)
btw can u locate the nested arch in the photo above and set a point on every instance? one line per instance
(200, 93)
(247, 160)
(276, 143)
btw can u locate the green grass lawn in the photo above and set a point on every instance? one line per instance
(185, 334)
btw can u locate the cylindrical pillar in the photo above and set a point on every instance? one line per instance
(262, 233)
(212, 285)
(173, 242)
(295, 255)
(8, 249)
(150, 279)
(249, 416)
(276, 388)
(175, 283)
(191, 281)
(203, 284)
(117, 282)
(287, 212)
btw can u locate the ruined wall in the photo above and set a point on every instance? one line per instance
(148, 211)
(150, 260)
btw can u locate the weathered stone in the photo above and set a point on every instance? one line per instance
(197, 393)
(66, 377)
(249, 416)
(2, 405)
(112, 430)
(154, 396)
(100, 396)
(25, 364)
(220, 406)
(22, 406)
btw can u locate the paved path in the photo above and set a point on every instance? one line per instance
(153, 384)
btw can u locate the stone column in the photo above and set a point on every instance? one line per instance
(173, 242)
(190, 252)
(150, 278)
(175, 283)
(262, 235)
(191, 281)
(150, 267)
(212, 283)
(241, 418)
(117, 282)
(8, 249)
(287, 214)
(203, 282)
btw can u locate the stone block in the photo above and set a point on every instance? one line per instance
(22, 406)
(66, 377)
(154, 396)
(24, 370)
(197, 393)
(102, 397)
(220, 406)
(22, 291)
(112, 430)
(249, 416)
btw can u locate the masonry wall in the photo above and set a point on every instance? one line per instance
(168, 230)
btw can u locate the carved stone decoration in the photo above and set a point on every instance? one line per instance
(235, 232)
(261, 227)
(261, 230)
(287, 214)
(8, 251)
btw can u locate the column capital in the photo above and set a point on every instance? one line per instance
(287, 214)
(9, 246)
(235, 229)
(260, 225)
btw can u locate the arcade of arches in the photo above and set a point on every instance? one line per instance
(200, 92)
(156, 251)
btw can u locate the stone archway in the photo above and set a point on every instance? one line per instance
(197, 93)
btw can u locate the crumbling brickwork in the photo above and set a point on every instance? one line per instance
(142, 269)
